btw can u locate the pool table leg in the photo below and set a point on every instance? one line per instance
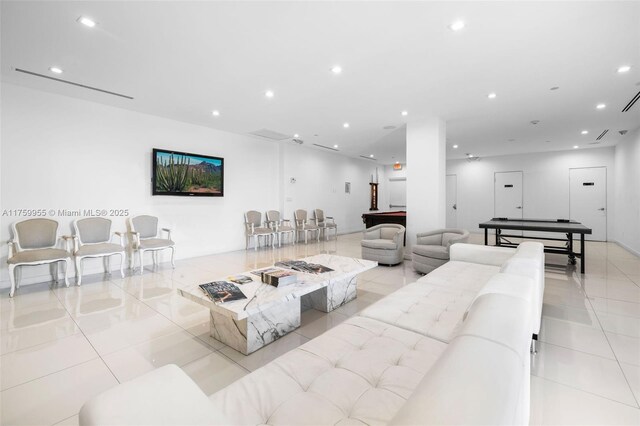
(582, 253)
(486, 236)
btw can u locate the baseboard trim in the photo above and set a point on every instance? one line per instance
(626, 247)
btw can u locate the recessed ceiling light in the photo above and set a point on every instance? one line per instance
(55, 70)
(624, 68)
(491, 95)
(575, 147)
(269, 93)
(87, 22)
(215, 113)
(345, 125)
(470, 155)
(335, 146)
(584, 132)
(397, 162)
(455, 147)
(296, 135)
(371, 155)
(336, 69)
(456, 26)
(601, 106)
(405, 113)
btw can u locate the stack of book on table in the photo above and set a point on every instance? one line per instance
(279, 277)
(302, 266)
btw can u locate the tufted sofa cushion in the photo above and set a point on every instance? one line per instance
(461, 275)
(361, 371)
(424, 308)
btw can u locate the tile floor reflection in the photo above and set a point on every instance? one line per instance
(60, 346)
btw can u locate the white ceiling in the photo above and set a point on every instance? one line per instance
(184, 59)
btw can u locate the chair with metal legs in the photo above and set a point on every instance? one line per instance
(146, 237)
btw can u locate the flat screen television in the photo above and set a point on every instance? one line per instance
(182, 173)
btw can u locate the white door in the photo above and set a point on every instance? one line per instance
(588, 200)
(508, 195)
(452, 200)
(397, 193)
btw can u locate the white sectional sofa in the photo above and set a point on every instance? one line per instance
(451, 348)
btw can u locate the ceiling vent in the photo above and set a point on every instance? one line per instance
(632, 102)
(622, 132)
(602, 134)
(325, 147)
(270, 134)
(366, 157)
(389, 127)
(84, 86)
(297, 140)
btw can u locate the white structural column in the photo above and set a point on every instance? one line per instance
(426, 171)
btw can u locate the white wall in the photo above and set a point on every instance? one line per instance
(627, 192)
(63, 153)
(320, 177)
(545, 183)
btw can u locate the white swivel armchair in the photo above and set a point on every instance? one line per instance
(36, 242)
(93, 239)
(384, 243)
(254, 228)
(145, 237)
(325, 223)
(303, 225)
(432, 248)
(280, 226)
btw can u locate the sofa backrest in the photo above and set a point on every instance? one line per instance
(482, 376)
(485, 255)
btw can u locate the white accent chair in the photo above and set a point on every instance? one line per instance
(145, 237)
(432, 248)
(384, 243)
(280, 226)
(304, 226)
(325, 223)
(254, 228)
(35, 242)
(93, 239)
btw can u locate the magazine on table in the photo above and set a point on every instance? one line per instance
(259, 272)
(302, 266)
(279, 277)
(222, 291)
(240, 279)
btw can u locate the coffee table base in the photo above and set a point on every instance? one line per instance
(258, 330)
(250, 334)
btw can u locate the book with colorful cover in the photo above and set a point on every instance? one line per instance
(302, 266)
(240, 279)
(259, 272)
(279, 277)
(222, 291)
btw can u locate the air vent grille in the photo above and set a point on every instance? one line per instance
(270, 134)
(602, 134)
(366, 157)
(325, 147)
(632, 102)
(84, 86)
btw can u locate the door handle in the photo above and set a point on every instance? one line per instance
(455, 207)
(601, 209)
(519, 207)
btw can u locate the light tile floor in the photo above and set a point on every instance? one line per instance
(60, 346)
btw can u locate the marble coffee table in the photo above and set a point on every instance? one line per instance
(269, 313)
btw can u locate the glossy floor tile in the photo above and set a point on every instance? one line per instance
(59, 346)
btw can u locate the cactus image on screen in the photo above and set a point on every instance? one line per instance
(177, 173)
